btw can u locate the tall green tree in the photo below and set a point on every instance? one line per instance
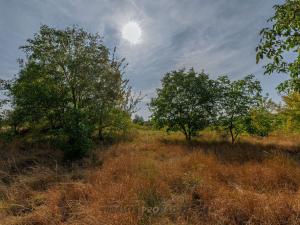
(236, 99)
(280, 44)
(185, 102)
(68, 61)
(69, 80)
(112, 97)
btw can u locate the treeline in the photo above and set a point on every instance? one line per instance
(190, 102)
(71, 90)
(69, 87)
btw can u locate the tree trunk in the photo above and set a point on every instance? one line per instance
(100, 134)
(15, 131)
(186, 134)
(188, 137)
(232, 135)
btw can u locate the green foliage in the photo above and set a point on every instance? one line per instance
(16, 119)
(236, 99)
(70, 84)
(3, 87)
(120, 121)
(77, 132)
(138, 120)
(261, 120)
(259, 123)
(6, 136)
(185, 102)
(281, 42)
(290, 113)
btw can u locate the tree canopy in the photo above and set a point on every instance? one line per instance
(280, 44)
(185, 102)
(235, 101)
(70, 81)
(291, 112)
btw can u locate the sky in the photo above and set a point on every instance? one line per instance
(217, 36)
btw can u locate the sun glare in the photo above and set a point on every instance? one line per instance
(132, 32)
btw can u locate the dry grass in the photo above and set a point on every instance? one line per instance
(156, 179)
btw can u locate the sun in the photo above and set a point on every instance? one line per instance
(132, 32)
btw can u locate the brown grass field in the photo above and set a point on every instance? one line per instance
(154, 179)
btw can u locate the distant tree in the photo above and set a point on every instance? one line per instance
(138, 120)
(1, 118)
(185, 102)
(280, 43)
(236, 100)
(291, 112)
(261, 119)
(3, 99)
(2, 102)
(120, 122)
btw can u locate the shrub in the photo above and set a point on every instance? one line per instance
(259, 123)
(77, 135)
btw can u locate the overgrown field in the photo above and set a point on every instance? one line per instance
(154, 179)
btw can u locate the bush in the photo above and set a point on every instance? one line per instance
(259, 123)
(138, 120)
(6, 136)
(76, 135)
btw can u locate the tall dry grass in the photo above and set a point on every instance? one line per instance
(155, 179)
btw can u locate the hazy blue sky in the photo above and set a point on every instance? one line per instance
(218, 36)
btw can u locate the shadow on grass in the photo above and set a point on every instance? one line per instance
(240, 152)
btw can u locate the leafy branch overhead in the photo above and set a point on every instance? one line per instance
(280, 44)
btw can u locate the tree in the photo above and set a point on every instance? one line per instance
(1, 114)
(280, 43)
(111, 98)
(291, 112)
(138, 120)
(185, 102)
(77, 131)
(3, 101)
(236, 99)
(69, 81)
(261, 119)
(38, 97)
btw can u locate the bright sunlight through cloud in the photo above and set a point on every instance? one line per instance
(132, 32)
